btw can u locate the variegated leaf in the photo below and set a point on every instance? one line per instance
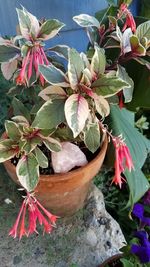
(53, 75)
(50, 115)
(98, 62)
(8, 69)
(12, 130)
(92, 136)
(102, 105)
(137, 48)
(27, 171)
(52, 144)
(52, 91)
(143, 30)
(128, 91)
(28, 23)
(108, 85)
(41, 158)
(76, 112)
(60, 50)
(8, 149)
(75, 68)
(50, 28)
(85, 20)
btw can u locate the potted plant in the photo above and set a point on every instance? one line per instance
(56, 140)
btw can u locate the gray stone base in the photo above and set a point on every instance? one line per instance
(83, 240)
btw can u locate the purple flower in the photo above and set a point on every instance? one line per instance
(143, 249)
(138, 211)
(146, 198)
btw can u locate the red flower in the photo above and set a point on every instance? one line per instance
(34, 57)
(122, 160)
(34, 215)
(130, 22)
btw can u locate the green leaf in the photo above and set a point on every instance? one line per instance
(76, 112)
(109, 86)
(50, 115)
(28, 172)
(53, 75)
(52, 144)
(49, 29)
(60, 50)
(141, 80)
(12, 130)
(98, 62)
(102, 15)
(75, 67)
(143, 30)
(41, 158)
(15, 90)
(92, 136)
(127, 263)
(136, 47)
(8, 52)
(85, 20)
(7, 150)
(20, 109)
(138, 185)
(31, 144)
(128, 91)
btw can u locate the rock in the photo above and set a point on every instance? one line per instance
(17, 259)
(101, 236)
(68, 158)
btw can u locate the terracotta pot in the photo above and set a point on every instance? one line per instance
(64, 194)
(111, 261)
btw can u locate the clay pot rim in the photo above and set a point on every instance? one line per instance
(111, 259)
(66, 176)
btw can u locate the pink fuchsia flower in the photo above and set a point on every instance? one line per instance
(36, 213)
(34, 57)
(123, 160)
(130, 22)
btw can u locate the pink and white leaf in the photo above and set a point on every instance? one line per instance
(68, 158)
(28, 23)
(52, 91)
(8, 69)
(76, 112)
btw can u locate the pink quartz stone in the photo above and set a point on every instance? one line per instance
(69, 157)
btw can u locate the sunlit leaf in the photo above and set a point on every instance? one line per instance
(75, 67)
(27, 171)
(76, 112)
(50, 28)
(85, 20)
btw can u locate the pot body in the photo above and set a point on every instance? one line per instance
(64, 194)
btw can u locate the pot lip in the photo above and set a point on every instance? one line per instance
(66, 176)
(111, 259)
